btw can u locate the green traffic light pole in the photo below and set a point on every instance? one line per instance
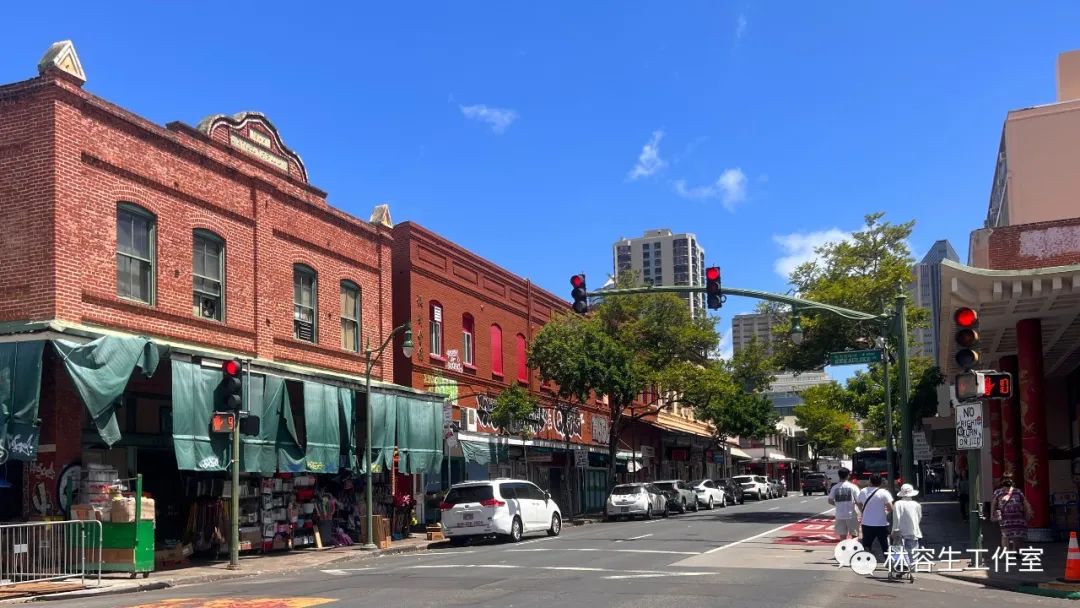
(894, 322)
(369, 362)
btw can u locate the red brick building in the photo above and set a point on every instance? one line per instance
(207, 239)
(472, 323)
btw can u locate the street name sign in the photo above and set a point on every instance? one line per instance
(855, 357)
(969, 426)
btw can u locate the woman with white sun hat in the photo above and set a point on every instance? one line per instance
(907, 519)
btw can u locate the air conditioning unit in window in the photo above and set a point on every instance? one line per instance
(305, 330)
(208, 308)
(470, 418)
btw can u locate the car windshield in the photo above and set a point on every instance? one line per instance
(625, 490)
(742, 479)
(694, 484)
(468, 494)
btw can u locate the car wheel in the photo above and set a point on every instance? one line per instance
(710, 505)
(723, 502)
(697, 505)
(760, 496)
(515, 530)
(556, 525)
(682, 506)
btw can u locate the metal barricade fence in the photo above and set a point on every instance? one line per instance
(50, 551)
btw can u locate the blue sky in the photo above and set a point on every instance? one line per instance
(536, 135)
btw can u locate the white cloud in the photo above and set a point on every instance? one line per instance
(730, 188)
(498, 118)
(799, 247)
(740, 26)
(649, 161)
(726, 349)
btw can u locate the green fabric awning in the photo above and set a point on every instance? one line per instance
(20, 396)
(261, 454)
(322, 418)
(419, 435)
(192, 407)
(100, 371)
(383, 430)
(290, 452)
(484, 452)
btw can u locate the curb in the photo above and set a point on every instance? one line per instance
(94, 592)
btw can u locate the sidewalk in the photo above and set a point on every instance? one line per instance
(205, 572)
(943, 527)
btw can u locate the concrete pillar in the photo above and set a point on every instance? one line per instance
(1012, 463)
(1033, 424)
(996, 446)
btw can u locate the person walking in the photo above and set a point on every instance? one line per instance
(1010, 509)
(963, 494)
(907, 521)
(842, 496)
(875, 503)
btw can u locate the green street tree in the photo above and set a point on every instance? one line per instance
(515, 408)
(829, 429)
(627, 344)
(863, 273)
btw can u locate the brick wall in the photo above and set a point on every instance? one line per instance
(74, 157)
(429, 268)
(1039, 245)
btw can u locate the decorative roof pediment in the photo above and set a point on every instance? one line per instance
(252, 134)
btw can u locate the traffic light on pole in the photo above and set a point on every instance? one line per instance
(579, 294)
(713, 297)
(967, 337)
(233, 385)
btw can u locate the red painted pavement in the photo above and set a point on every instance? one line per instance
(813, 531)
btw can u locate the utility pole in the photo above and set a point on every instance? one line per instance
(907, 445)
(890, 447)
(234, 525)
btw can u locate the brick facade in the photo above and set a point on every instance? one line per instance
(430, 269)
(1039, 245)
(69, 158)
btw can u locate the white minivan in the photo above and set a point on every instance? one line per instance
(505, 507)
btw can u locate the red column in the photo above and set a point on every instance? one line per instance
(1033, 420)
(1011, 455)
(996, 447)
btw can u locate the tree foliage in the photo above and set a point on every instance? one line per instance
(864, 273)
(514, 408)
(829, 429)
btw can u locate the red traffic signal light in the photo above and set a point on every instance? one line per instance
(232, 385)
(222, 422)
(231, 368)
(983, 385)
(580, 294)
(713, 297)
(967, 337)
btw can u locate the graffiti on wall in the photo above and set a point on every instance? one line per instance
(543, 419)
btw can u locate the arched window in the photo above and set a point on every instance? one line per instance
(305, 303)
(468, 339)
(208, 275)
(496, 351)
(435, 333)
(520, 346)
(136, 254)
(350, 316)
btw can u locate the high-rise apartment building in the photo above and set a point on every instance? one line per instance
(746, 327)
(660, 257)
(926, 292)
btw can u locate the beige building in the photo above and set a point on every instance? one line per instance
(749, 326)
(660, 257)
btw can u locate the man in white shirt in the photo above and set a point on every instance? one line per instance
(842, 496)
(875, 503)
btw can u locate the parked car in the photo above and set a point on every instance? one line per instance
(708, 493)
(635, 499)
(732, 492)
(681, 497)
(815, 482)
(509, 508)
(754, 486)
(778, 489)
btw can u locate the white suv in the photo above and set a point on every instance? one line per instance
(504, 507)
(754, 486)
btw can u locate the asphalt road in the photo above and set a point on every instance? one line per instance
(726, 557)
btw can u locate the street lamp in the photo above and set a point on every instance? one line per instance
(369, 362)
(796, 328)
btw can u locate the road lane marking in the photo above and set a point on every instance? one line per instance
(616, 574)
(765, 533)
(774, 508)
(637, 537)
(804, 501)
(626, 576)
(596, 550)
(345, 571)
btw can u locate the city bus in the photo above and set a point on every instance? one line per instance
(867, 461)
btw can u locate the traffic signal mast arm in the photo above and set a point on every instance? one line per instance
(798, 303)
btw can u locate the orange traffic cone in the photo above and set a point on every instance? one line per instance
(1072, 563)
